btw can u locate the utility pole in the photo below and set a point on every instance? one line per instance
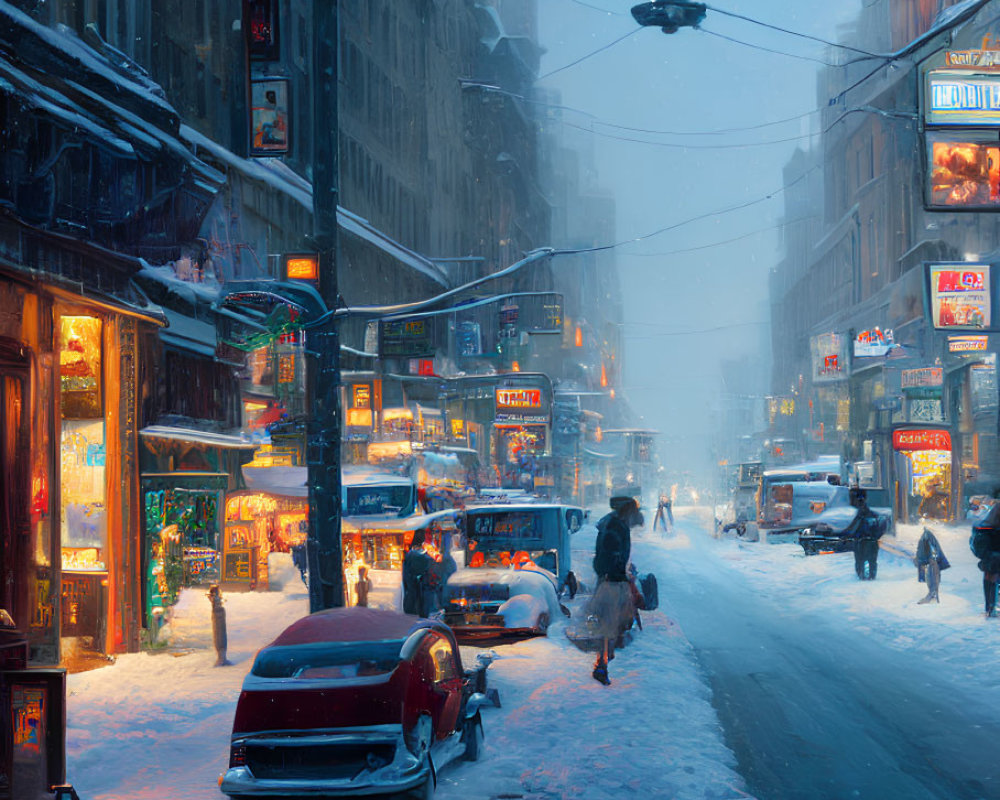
(326, 570)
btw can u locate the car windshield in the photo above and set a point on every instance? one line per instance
(336, 660)
(373, 499)
(514, 524)
(477, 592)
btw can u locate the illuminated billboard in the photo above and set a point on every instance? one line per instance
(956, 99)
(960, 295)
(829, 357)
(964, 170)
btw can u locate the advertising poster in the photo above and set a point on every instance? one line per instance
(874, 342)
(268, 117)
(828, 357)
(960, 296)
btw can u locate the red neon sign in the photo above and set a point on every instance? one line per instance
(921, 440)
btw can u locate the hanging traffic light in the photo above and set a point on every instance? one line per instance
(669, 15)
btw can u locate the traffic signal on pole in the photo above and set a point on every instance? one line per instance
(669, 15)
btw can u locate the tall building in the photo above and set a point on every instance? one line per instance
(882, 306)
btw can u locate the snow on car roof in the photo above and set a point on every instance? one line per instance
(503, 507)
(354, 624)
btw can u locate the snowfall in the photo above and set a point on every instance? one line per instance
(156, 725)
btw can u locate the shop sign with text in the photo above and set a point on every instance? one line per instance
(919, 439)
(518, 398)
(406, 338)
(962, 100)
(922, 377)
(967, 344)
(960, 295)
(985, 58)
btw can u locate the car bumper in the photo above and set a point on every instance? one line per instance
(470, 634)
(354, 778)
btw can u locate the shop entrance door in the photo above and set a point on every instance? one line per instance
(14, 461)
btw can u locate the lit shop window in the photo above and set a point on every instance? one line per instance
(84, 525)
(964, 173)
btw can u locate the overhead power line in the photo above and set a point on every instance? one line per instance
(618, 126)
(768, 49)
(589, 55)
(682, 250)
(663, 334)
(795, 33)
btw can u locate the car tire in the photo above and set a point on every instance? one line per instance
(472, 735)
(543, 623)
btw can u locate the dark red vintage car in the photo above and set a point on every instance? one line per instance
(353, 701)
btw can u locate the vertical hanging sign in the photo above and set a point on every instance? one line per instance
(260, 18)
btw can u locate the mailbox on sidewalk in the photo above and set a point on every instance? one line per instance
(33, 725)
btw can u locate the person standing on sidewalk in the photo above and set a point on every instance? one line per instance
(611, 606)
(867, 529)
(985, 545)
(930, 560)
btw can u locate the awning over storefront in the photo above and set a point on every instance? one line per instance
(278, 480)
(196, 437)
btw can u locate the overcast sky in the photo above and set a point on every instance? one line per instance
(691, 81)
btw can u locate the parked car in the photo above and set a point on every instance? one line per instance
(543, 530)
(353, 701)
(818, 517)
(487, 605)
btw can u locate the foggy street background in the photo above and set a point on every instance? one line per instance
(689, 307)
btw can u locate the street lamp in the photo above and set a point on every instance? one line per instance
(669, 15)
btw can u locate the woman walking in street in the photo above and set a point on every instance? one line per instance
(612, 607)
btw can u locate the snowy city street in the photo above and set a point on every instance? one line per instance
(499, 399)
(756, 652)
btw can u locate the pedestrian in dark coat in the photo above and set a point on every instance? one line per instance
(985, 544)
(300, 561)
(663, 513)
(363, 586)
(417, 579)
(867, 529)
(220, 638)
(930, 560)
(612, 604)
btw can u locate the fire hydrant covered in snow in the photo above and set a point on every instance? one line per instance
(219, 638)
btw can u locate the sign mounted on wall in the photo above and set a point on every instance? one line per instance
(960, 295)
(828, 357)
(922, 377)
(921, 439)
(269, 117)
(874, 342)
(967, 344)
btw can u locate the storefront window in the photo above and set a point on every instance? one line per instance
(82, 481)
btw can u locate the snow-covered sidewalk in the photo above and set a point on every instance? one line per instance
(157, 726)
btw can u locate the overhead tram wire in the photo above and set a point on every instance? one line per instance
(663, 334)
(683, 250)
(819, 39)
(533, 256)
(739, 145)
(589, 55)
(683, 146)
(598, 8)
(656, 131)
(768, 49)
(689, 220)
